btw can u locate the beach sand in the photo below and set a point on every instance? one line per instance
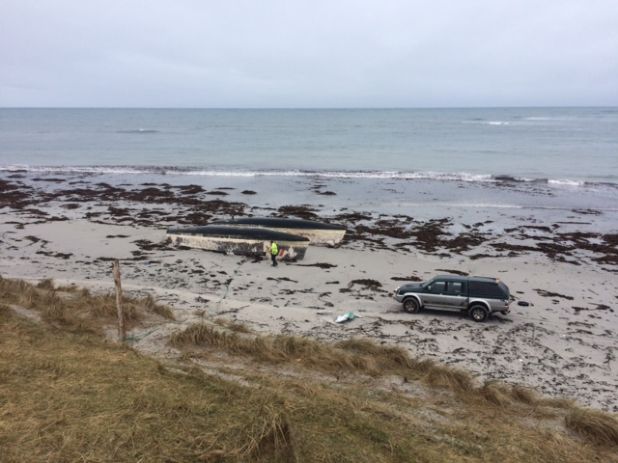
(563, 343)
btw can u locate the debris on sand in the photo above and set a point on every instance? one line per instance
(545, 293)
(368, 283)
(304, 212)
(346, 317)
(454, 272)
(322, 265)
(410, 278)
(282, 279)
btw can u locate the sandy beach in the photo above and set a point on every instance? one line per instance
(212, 215)
(562, 343)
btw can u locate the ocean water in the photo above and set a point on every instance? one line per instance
(561, 145)
(475, 163)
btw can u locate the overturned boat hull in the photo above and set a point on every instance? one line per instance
(316, 232)
(252, 242)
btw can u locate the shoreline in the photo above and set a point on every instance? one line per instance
(561, 344)
(188, 172)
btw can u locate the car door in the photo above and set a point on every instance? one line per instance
(455, 296)
(433, 294)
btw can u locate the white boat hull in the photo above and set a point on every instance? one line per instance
(289, 250)
(315, 236)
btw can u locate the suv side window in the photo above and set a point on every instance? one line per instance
(486, 289)
(455, 288)
(437, 287)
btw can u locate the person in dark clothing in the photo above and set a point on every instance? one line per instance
(274, 252)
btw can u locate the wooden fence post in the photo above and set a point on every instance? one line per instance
(121, 327)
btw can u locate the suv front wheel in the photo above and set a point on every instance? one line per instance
(478, 313)
(411, 305)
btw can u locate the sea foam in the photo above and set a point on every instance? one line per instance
(467, 177)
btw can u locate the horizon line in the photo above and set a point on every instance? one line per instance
(219, 108)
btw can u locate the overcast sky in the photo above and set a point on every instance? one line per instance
(386, 53)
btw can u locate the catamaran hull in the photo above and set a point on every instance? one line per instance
(328, 237)
(289, 251)
(316, 232)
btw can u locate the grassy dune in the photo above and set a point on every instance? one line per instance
(67, 394)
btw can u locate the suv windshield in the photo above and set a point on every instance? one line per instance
(436, 287)
(424, 284)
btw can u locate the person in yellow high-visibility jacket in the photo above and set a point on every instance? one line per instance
(274, 252)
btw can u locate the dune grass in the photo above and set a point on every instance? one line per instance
(76, 308)
(595, 426)
(66, 394)
(357, 356)
(70, 396)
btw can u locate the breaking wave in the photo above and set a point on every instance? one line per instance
(80, 169)
(543, 118)
(566, 182)
(485, 122)
(334, 174)
(138, 131)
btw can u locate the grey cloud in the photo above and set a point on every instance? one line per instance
(308, 53)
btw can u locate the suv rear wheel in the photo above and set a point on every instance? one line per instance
(478, 313)
(411, 305)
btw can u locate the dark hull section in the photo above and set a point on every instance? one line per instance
(277, 222)
(316, 232)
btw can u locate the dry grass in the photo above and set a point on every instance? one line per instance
(232, 325)
(66, 395)
(275, 349)
(358, 356)
(47, 283)
(497, 394)
(154, 307)
(72, 397)
(77, 309)
(595, 426)
(524, 395)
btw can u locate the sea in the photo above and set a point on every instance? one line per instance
(546, 162)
